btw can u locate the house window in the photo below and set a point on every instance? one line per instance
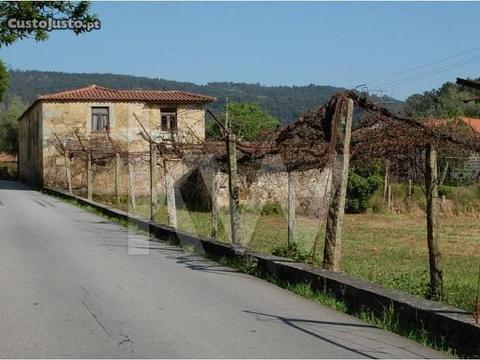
(169, 119)
(100, 119)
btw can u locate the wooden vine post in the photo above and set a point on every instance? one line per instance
(118, 166)
(170, 192)
(332, 249)
(89, 175)
(233, 183)
(291, 208)
(434, 253)
(153, 180)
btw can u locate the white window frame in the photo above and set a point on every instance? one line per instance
(168, 116)
(106, 115)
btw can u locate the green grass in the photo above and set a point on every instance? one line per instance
(305, 290)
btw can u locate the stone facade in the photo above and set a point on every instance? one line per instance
(30, 147)
(40, 162)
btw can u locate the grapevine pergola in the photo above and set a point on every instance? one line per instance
(321, 138)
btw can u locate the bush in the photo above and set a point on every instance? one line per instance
(8, 172)
(359, 191)
(272, 208)
(294, 251)
(376, 202)
(445, 190)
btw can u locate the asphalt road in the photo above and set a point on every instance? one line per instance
(75, 285)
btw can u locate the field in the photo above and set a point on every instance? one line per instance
(388, 249)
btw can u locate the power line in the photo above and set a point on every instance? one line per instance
(429, 73)
(422, 66)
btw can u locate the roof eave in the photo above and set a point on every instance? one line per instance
(40, 99)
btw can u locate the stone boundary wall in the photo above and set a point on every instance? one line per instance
(266, 187)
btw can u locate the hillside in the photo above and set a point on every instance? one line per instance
(283, 102)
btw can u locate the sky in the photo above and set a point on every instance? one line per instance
(271, 43)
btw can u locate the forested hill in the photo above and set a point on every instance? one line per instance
(283, 102)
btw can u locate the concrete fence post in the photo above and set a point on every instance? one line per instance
(291, 208)
(332, 249)
(68, 172)
(153, 181)
(118, 164)
(233, 188)
(432, 211)
(131, 186)
(170, 192)
(214, 233)
(89, 176)
(386, 182)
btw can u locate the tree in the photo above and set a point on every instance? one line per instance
(360, 189)
(40, 11)
(447, 102)
(31, 11)
(8, 125)
(248, 120)
(3, 79)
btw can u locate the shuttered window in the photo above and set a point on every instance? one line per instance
(100, 118)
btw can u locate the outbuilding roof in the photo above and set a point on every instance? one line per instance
(474, 123)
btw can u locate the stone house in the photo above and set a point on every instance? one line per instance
(90, 111)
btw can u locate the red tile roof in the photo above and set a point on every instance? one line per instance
(6, 157)
(473, 123)
(98, 93)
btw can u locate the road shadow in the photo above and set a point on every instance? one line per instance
(343, 329)
(13, 185)
(198, 263)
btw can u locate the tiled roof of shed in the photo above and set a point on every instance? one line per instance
(98, 93)
(474, 123)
